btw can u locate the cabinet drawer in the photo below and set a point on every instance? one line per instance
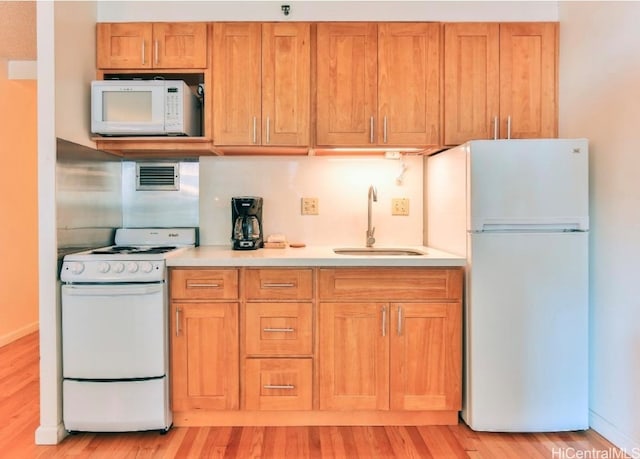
(390, 284)
(278, 384)
(279, 284)
(210, 284)
(278, 329)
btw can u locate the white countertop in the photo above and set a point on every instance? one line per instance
(210, 255)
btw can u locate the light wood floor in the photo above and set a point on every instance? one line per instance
(19, 417)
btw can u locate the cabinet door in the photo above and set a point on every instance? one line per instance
(354, 356)
(426, 356)
(471, 81)
(346, 84)
(180, 45)
(236, 83)
(409, 84)
(204, 350)
(125, 45)
(286, 81)
(528, 78)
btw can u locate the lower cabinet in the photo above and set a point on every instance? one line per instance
(397, 356)
(278, 339)
(385, 354)
(204, 369)
(204, 339)
(313, 346)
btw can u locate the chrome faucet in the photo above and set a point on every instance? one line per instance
(372, 197)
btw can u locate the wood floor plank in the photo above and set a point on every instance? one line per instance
(19, 409)
(251, 442)
(441, 442)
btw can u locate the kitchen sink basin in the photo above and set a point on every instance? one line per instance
(378, 251)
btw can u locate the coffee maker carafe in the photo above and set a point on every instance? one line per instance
(246, 220)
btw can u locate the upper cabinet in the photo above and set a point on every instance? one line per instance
(311, 88)
(261, 84)
(500, 81)
(146, 45)
(378, 84)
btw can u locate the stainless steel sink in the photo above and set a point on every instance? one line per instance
(378, 251)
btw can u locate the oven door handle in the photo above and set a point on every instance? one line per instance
(112, 289)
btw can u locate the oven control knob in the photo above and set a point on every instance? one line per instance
(132, 267)
(76, 267)
(146, 267)
(104, 267)
(118, 267)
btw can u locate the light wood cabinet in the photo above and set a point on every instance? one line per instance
(378, 84)
(262, 84)
(278, 384)
(354, 356)
(379, 354)
(425, 356)
(500, 81)
(278, 339)
(145, 45)
(204, 339)
(273, 329)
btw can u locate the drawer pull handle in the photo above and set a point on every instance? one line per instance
(202, 285)
(278, 285)
(279, 386)
(279, 330)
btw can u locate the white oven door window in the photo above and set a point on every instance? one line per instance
(114, 331)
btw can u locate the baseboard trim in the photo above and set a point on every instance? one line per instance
(50, 435)
(218, 418)
(614, 435)
(19, 333)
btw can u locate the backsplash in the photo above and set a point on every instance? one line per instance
(340, 184)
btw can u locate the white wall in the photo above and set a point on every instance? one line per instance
(327, 10)
(63, 31)
(600, 99)
(340, 184)
(75, 67)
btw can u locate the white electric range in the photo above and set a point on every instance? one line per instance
(115, 332)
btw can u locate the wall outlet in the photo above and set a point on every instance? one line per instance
(309, 206)
(400, 206)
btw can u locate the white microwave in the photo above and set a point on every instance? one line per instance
(144, 107)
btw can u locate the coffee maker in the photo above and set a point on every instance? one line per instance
(246, 221)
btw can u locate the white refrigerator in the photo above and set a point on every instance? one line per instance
(518, 211)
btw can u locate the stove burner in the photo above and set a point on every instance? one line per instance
(123, 249)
